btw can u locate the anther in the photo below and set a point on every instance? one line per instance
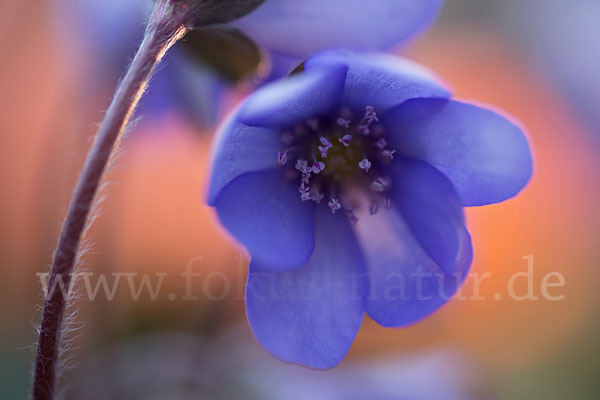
(325, 142)
(365, 164)
(388, 153)
(343, 122)
(303, 188)
(282, 157)
(306, 178)
(373, 208)
(345, 140)
(381, 143)
(326, 146)
(317, 196)
(318, 166)
(380, 184)
(302, 166)
(371, 115)
(351, 215)
(334, 204)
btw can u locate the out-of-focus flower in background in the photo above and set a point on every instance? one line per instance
(198, 72)
(346, 184)
(107, 33)
(290, 30)
(183, 366)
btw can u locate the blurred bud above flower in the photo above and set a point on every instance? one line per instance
(299, 28)
(287, 31)
(346, 183)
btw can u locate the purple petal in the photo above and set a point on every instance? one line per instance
(418, 253)
(485, 155)
(240, 149)
(311, 315)
(294, 100)
(263, 211)
(431, 208)
(382, 81)
(300, 28)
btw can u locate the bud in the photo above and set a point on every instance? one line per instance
(211, 12)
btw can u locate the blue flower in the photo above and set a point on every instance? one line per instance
(299, 28)
(288, 30)
(346, 184)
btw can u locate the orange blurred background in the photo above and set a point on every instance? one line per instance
(154, 218)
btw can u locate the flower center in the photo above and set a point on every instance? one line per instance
(332, 158)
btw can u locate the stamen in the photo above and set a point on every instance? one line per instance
(323, 150)
(306, 178)
(371, 115)
(365, 164)
(325, 142)
(317, 196)
(388, 153)
(303, 188)
(351, 215)
(282, 157)
(310, 159)
(344, 122)
(334, 204)
(345, 140)
(302, 166)
(326, 146)
(318, 166)
(380, 185)
(373, 209)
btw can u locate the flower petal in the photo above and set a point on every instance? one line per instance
(285, 103)
(300, 28)
(431, 208)
(485, 155)
(379, 80)
(418, 253)
(240, 149)
(311, 315)
(264, 212)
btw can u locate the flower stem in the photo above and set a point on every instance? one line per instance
(167, 24)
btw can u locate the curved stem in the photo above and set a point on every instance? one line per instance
(165, 27)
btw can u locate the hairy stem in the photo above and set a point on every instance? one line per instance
(166, 25)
